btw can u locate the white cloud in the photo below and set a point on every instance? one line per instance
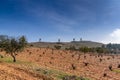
(113, 37)
(115, 34)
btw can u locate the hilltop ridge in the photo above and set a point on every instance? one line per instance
(64, 45)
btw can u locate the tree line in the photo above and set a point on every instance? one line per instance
(86, 49)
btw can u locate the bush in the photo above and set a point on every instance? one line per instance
(110, 67)
(104, 75)
(73, 67)
(57, 47)
(84, 49)
(1, 56)
(100, 60)
(71, 48)
(86, 63)
(118, 66)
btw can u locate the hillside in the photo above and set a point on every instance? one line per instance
(20, 70)
(64, 45)
(61, 62)
(49, 64)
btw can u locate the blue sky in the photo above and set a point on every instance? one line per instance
(96, 20)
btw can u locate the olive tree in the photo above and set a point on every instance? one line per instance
(13, 45)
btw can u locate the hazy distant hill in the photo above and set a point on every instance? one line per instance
(77, 44)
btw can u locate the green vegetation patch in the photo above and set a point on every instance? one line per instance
(74, 78)
(59, 75)
(6, 59)
(56, 74)
(10, 60)
(116, 70)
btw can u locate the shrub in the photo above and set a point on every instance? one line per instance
(43, 52)
(118, 66)
(31, 45)
(50, 62)
(71, 48)
(86, 63)
(100, 60)
(73, 67)
(40, 55)
(72, 55)
(27, 50)
(1, 56)
(108, 58)
(104, 75)
(30, 53)
(110, 67)
(84, 49)
(57, 47)
(84, 57)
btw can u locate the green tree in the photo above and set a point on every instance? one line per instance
(22, 42)
(13, 45)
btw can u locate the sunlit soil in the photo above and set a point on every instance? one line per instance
(97, 67)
